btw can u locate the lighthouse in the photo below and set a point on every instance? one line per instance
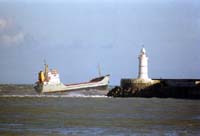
(143, 65)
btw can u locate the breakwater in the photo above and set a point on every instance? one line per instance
(161, 88)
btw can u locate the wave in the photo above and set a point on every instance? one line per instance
(56, 96)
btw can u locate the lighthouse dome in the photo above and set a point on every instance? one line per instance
(143, 51)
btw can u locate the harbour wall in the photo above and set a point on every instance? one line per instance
(162, 88)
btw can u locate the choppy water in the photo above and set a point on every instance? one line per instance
(76, 114)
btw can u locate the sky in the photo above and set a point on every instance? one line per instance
(75, 36)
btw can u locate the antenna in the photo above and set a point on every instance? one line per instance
(45, 62)
(99, 69)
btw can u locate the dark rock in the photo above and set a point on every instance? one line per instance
(160, 90)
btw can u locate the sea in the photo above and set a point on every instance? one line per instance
(23, 112)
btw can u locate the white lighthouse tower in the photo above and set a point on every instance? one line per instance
(143, 65)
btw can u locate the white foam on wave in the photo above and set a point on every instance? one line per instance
(56, 96)
(72, 94)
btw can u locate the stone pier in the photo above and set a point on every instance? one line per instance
(138, 84)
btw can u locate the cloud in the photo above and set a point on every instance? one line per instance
(3, 23)
(12, 39)
(10, 33)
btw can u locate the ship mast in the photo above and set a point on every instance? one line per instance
(99, 69)
(46, 70)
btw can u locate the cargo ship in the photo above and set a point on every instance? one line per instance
(49, 82)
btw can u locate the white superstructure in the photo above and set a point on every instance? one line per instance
(143, 65)
(53, 77)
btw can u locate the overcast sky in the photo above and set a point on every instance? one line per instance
(75, 36)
